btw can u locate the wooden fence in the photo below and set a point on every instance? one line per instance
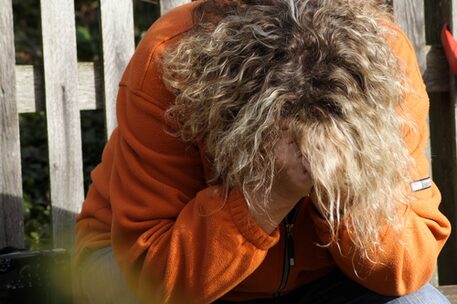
(66, 87)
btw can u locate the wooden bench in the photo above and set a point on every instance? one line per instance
(67, 86)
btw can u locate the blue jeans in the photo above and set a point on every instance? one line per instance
(337, 288)
(101, 281)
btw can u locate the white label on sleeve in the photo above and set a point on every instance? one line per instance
(421, 184)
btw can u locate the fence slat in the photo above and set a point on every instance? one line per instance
(442, 139)
(410, 15)
(30, 88)
(442, 131)
(90, 92)
(118, 45)
(63, 119)
(436, 74)
(11, 214)
(30, 84)
(166, 5)
(448, 271)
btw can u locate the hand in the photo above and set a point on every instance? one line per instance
(292, 181)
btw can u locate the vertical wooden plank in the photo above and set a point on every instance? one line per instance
(118, 44)
(11, 214)
(437, 115)
(409, 14)
(442, 131)
(166, 5)
(437, 13)
(63, 118)
(448, 269)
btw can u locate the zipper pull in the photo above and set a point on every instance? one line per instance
(289, 230)
(292, 258)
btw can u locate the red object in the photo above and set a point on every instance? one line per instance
(450, 47)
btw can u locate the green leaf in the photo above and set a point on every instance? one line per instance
(83, 34)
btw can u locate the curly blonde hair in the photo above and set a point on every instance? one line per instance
(325, 68)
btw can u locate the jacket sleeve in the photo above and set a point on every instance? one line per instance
(176, 238)
(404, 266)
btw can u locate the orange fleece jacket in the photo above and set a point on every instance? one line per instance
(177, 241)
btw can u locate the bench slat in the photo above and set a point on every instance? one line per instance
(63, 118)
(118, 44)
(11, 214)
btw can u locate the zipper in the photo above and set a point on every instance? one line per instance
(289, 250)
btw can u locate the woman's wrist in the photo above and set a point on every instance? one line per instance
(274, 211)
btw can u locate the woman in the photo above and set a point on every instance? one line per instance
(267, 151)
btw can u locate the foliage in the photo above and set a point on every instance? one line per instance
(34, 151)
(93, 140)
(27, 32)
